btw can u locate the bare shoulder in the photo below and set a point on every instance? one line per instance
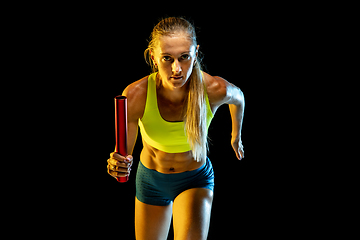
(136, 94)
(136, 89)
(216, 88)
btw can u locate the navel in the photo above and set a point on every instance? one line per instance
(172, 169)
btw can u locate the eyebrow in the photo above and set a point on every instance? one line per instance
(180, 54)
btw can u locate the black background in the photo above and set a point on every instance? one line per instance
(90, 54)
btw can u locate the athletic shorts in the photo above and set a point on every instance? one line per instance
(160, 189)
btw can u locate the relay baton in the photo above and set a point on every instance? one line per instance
(121, 129)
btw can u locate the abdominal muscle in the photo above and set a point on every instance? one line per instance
(168, 163)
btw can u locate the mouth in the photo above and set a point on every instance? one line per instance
(176, 77)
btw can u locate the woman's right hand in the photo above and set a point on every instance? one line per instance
(119, 166)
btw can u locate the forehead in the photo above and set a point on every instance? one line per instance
(175, 44)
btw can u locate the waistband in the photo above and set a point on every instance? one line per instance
(174, 176)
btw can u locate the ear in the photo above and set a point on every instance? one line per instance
(152, 56)
(197, 50)
(153, 59)
(196, 53)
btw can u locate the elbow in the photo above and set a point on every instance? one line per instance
(240, 97)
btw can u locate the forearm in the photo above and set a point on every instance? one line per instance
(132, 134)
(237, 114)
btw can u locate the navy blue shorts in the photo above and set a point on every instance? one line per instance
(160, 189)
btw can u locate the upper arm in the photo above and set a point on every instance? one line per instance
(233, 94)
(136, 100)
(222, 92)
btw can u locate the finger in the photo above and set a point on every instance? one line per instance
(117, 173)
(236, 150)
(237, 155)
(118, 169)
(117, 156)
(115, 162)
(241, 153)
(111, 173)
(129, 159)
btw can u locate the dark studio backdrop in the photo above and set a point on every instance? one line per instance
(100, 53)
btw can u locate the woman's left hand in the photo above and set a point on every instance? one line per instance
(238, 147)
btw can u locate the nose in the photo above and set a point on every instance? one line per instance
(176, 68)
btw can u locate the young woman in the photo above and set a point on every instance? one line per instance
(173, 108)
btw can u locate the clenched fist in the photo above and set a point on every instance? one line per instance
(119, 166)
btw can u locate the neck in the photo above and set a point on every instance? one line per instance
(171, 93)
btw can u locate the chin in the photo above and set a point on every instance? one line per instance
(177, 83)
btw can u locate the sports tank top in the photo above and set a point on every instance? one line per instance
(166, 136)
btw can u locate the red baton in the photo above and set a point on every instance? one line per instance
(121, 129)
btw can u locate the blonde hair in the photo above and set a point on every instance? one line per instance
(195, 110)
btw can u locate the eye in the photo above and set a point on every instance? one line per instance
(185, 57)
(166, 58)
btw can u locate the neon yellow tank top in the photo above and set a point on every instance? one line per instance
(166, 136)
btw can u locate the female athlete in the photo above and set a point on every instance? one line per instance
(173, 108)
